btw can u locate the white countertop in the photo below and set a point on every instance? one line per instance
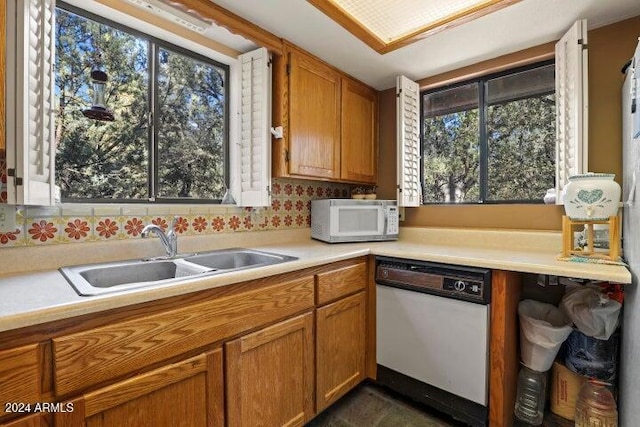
(34, 298)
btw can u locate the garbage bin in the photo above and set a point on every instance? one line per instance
(543, 328)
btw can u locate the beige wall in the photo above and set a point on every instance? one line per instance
(610, 48)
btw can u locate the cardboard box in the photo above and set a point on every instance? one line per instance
(565, 386)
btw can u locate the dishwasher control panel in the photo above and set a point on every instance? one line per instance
(469, 287)
(459, 282)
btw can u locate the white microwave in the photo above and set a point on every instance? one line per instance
(349, 220)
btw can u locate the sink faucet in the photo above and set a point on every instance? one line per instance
(169, 240)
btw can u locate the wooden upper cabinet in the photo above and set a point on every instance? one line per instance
(340, 348)
(269, 375)
(358, 130)
(329, 121)
(314, 118)
(188, 393)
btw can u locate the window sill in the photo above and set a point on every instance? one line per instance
(122, 209)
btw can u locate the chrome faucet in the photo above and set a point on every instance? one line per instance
(169, 240)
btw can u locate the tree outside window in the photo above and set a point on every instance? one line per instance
(491, 140)
(168, 141)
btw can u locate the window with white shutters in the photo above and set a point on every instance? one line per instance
(408, 140)
(502, 138)
(170, 137)
(572, 105)
(30, 96)
(255, 122)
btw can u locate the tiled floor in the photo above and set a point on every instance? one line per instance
(370, 406)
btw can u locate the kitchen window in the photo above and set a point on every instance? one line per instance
(490, 140)
(169, 139)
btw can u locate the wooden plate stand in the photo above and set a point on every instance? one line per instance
(569, 226)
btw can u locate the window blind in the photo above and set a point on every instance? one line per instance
(572, 105)
(408, 141)
(255, 123)
(30, 106)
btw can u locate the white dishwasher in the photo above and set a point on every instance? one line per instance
(433, 335)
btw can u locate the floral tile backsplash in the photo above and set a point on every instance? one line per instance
(3, 177)
(290, 208)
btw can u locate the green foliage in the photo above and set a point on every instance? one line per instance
(104, 160)
(521, 152)
(521, 137)
(191, 131)
(452, 158)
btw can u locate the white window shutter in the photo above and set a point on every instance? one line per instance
(408, 142)
(571, 106)
(255, 128)
(30, 102)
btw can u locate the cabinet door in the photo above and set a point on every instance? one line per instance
(187, 393)
(20, 374)
(358, 130)
(34, 420)
(314, 118)
(269, 375)
(340, 348)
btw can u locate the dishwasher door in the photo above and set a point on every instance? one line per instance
(440, 341)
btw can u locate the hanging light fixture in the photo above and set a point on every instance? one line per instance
(98, 110)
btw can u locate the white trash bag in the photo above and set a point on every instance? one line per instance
(593, 313)
(543, 328)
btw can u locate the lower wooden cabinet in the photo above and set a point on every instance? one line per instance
(34, 420)
(269, 375)
(340, 348)
(20, 374)
(95, 356)
(189, 393)
(164, 366)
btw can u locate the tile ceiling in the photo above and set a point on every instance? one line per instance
(387, 25)
(392, 20)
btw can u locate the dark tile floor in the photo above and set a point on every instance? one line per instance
(370, 406)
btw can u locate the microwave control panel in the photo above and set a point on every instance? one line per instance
(392, 220)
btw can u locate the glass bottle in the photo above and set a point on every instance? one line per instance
(596, 406)
(530, 399)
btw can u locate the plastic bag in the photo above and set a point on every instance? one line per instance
(591, 357)
(544, 328)
(593, 312)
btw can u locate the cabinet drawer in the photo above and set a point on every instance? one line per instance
(343, 281)
(89, 358)
(19, 376)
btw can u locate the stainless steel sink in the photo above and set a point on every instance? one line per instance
(233, 259)
(116, 275)
(98, 279)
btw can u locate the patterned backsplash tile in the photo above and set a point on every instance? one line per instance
(290, 208)
(3, 177)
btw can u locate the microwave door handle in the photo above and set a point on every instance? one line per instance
(382, 220)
